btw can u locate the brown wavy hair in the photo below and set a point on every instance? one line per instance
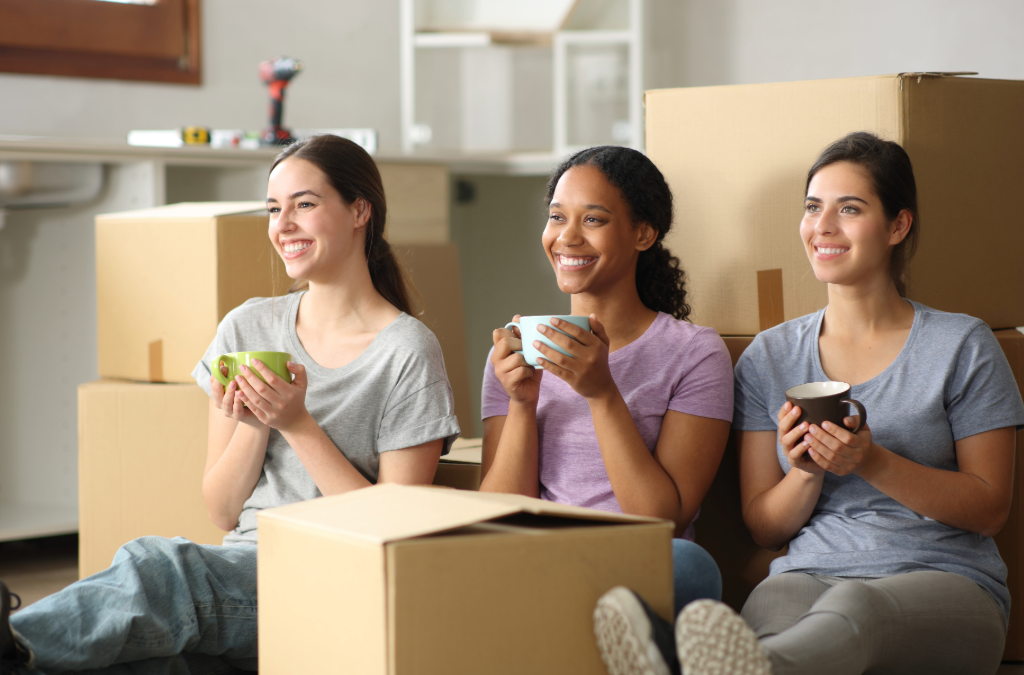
(660, 281)
(354, 175)
(892, 176)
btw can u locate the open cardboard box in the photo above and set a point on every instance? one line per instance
(393, 579)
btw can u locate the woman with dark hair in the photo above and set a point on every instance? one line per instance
(637, 418)
(891, 566)
(368, 402)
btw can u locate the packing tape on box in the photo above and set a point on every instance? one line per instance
(769, 298)
(156, 361)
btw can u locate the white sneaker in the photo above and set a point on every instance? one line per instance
(632, 639)
(711, 639)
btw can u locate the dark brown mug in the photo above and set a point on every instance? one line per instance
(823, 402)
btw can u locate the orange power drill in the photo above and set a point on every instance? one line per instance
(277, 74)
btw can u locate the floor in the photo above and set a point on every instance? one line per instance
(38, 567)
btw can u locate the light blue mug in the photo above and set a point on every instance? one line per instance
(527, 326)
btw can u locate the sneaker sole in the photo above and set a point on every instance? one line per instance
(623, 634)
(713, 640)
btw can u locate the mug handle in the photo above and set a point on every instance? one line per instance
(863, 414)
(508, 326)
(216, 368)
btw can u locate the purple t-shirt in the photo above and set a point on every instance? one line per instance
(674, 365)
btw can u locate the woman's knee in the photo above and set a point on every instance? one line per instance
(854, 600)
(696, 575)
(154, 551)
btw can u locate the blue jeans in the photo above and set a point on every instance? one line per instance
(165, 606)
(695, 574)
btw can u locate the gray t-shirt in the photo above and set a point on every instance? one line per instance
(950, 381)
(395, 395)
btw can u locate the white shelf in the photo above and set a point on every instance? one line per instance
(28, 521)
(596, 37)
(42, 149)
(443, 40)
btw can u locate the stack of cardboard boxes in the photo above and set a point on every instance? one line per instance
(736, 159)
(165, 278)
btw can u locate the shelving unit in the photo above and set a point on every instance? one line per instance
(565, 27)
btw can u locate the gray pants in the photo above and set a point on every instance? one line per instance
(919, 622)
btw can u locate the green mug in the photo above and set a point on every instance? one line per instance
(276, 361)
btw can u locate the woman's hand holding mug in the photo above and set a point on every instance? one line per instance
(276, 403)
(791, 438)
(228, 401)
(260, 388)
(520, 380)
(583, 360)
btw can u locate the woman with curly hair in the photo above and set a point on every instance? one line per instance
(636, 419)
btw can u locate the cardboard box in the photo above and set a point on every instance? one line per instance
(141, 454)
(418, 202)
(720, 527)
(460, 468)
(166, 276)
(434, 270)
(736, 158)
(418, 580)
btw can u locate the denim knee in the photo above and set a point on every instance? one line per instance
(695, 574)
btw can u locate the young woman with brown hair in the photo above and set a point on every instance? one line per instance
(369, 402)
(891, 566)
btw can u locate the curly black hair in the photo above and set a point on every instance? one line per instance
(660, 281)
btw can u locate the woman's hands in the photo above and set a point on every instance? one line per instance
(227, 400)
(791, 438)
(520, 380)
(815, 449)
(586, 371)
(837, 450)
(273, 403)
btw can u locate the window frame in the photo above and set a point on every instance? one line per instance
(106, 40)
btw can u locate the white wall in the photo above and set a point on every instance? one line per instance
(753, 41)
(349, 50)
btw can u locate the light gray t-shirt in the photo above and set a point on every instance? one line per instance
(950, 381)
(395, 395)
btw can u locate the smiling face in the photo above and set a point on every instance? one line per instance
(312, 228)
(846, 233)
(590, 238)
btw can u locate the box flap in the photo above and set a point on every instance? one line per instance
(192, 210)
(386, 513)
(543, 507)
(389, 512)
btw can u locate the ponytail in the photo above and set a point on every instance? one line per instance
(660, 281)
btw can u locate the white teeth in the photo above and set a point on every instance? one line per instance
(297, 246)
(573, 262)
(832, 251)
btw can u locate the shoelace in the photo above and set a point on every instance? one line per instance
(7, 667)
